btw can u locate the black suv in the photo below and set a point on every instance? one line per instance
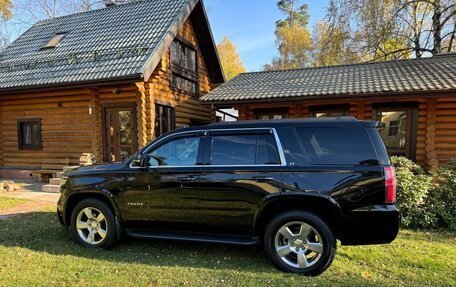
(294, 186)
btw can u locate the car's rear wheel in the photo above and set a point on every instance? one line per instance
(300, 242)
(93, 224)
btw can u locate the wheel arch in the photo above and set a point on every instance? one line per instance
(323, 206)
(77, 197)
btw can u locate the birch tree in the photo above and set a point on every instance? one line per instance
(231, 61)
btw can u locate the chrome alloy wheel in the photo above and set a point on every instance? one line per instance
(91, 225)
(298, 244)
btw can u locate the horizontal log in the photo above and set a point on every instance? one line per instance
(24, 166)
(446, 153)
(193, 112)
(39, 155)
(191, 116)
(446, 118)
(446, 100)
(445, 126)
(444, 146)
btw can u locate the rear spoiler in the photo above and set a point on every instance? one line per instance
(374, 124)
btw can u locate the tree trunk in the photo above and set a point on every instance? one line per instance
(453, 35)
(86, 5)
(437, 27)
(416, 32)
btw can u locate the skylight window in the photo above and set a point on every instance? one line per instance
(55, 41)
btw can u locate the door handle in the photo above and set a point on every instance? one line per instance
(263, 178)
(191, 178)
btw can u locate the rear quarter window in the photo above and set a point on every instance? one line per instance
(338, 145)
(330, 146)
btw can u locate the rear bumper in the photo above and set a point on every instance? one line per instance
(376, 224)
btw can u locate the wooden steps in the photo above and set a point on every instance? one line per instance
(54, 183)
(51, 188)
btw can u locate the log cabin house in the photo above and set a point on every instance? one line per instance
(104, 83)
(416, 99)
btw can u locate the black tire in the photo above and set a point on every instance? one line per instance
(109, 224)
(327, 239)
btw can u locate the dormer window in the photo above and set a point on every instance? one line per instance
(55, 41)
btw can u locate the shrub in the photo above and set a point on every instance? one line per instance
(413, 188)
(442, 198)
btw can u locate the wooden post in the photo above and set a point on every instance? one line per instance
(243, 112)
(141, 113)
(431, 155)
(305, 112)
(97, 133)
(295, 111)
(360, 111)
(150, 108)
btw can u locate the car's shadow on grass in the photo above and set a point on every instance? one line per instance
(41, 231)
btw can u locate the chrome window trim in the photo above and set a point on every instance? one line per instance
(205, 132)
(279, 148)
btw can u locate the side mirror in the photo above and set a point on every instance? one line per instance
(152, 160)
(137, 159)
(146, 161)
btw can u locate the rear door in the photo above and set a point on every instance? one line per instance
(241, 168)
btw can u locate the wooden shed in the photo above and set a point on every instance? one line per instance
(104, 83)
(416, 99)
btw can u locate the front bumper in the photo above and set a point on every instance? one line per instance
(376, 224)
(60, 210)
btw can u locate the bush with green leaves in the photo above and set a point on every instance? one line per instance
(413, 188)
(442, 198)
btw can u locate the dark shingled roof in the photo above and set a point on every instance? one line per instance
(119, 42)
(426, 74)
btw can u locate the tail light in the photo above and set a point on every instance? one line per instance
(390, 185)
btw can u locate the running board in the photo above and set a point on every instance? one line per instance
(198, 237)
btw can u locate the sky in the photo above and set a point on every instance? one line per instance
(250, 25)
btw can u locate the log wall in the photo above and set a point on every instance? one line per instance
(67, 127)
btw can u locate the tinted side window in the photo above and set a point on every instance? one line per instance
(179, 152)
(337, 145)
(295, 153)
(248, 149)
(267, 150)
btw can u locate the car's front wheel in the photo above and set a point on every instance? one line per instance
(300, 242)
(93, 224)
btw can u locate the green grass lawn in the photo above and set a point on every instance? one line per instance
(6, 202)
(36, 251)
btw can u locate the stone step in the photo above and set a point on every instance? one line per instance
(59, 174)
(67, 168)
(54, 181)
(51, 188)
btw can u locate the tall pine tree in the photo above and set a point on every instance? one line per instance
(294, 41)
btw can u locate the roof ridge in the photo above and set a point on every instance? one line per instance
(441, 55)
(91, 11)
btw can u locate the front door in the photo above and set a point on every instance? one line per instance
(165, 195)
(399, 133)
(120, 137)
